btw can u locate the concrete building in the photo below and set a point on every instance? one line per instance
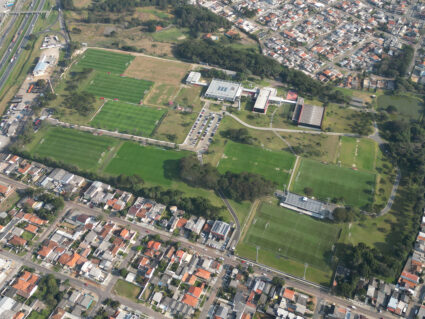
(220, 229)
(224, 90)
(262, 101)
(193, 78)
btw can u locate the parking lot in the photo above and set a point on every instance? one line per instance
(203, 130)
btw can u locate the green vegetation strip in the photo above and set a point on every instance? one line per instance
(273, 165)
(128, 118)
(118, 87)
(330, 181)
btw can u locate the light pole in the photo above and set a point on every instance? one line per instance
(305, 269)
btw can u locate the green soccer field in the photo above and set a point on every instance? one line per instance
(281, 234)
(128, 118)
(149, 162)
(104, 61)
(358, 153)
(118, 87)
(273, 165)
(330, 181)
(72, 147)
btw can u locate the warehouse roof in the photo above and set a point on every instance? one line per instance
(224, 89)
(311, 115)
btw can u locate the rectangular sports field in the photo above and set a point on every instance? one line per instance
(273, 165)
(331, 181)
(151, 163)
(104, 61)
(357, 153)
(73, 147)
(119, 87)
(128, 118)
(158, 70)
(290, 239)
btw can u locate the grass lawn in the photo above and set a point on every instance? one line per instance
(153, 164)
(331, 181)
(287, 240)
(344, 120)
(161, 94)
(27, 236)
(319, 147)
(358, 153)
(176, 125)
(190, 96)
(241, 209)
(102, 60)
(172, 35)
(128, 118)
(72, 147)
(273, 165)
(118, 87)
(127, 290)
(263, 139)
(406, 105)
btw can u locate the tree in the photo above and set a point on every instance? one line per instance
(278, 281)
(123, 272)
(250, 269)
(340, 214)
(308, 191)
(391, 109)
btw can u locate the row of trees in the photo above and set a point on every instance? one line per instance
(243, 186)
(251, 62)
(239, 135)
(199, 19)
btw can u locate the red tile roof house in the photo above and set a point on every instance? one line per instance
(408, 279)
(26, 284)
(17, 241)
(6, 190)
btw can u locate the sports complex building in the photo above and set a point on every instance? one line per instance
(305, 205)
(308, 115)
(224, 90)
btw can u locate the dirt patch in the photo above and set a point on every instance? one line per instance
(157, 70)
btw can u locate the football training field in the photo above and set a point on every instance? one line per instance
(73, 147)
(288, 240)
(330, 181)
(118, 87)
(127, 118)
(149, 162)
(273, 165)
(104, 61)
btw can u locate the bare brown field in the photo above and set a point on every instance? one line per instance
(157, 70)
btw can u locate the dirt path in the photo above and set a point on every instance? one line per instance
(249, 220)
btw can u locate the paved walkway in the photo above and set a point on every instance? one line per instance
(287, 130)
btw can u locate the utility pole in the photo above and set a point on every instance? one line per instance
(305, 269)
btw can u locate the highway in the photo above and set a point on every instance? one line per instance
(14, 50)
